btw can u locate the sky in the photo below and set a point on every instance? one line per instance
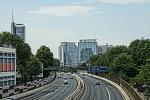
(49, 22)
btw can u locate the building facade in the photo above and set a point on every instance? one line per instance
(7, 66)
(104, 48)
(68, 54)
(87, 48)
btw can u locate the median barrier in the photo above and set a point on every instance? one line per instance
(77, 94)
(21, 87)
(5, 92)
(11, 90)
(25, 87)
(1, 92)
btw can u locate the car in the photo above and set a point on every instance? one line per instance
(9, 98)
(71, 77)
(65, 81)
(65, 78)
(59, 76)
(98, 83)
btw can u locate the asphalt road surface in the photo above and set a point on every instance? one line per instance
(57, 90)
(104, 91)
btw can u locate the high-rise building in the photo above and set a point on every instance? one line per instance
(87, 48)
(104, 48)
(7, 66)
(18, 29)
(68, 54)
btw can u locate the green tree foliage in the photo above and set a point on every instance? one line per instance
(107, 58)
(140, 51)
(143, 78)
(56, 62)
(114, 52)
(35, 67)
(46, 57)
(124, 65)
(94, 60)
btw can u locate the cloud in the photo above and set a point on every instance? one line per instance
(118, 2)
(65, 10)
(123, 1)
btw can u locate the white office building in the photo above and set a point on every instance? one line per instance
(7, 66)
(68, 54)
(104, 48)
(87, 48)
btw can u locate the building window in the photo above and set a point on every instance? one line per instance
(13, 64)
(1, 84)
(5, 54)
(5, 77)
(5, 65)
(12, 82)
(9, 54)
(13, 55)
(9, 65)
(9, 77)
(1, 78)
(1, 54)
(1, 64)
(13, 77)
(5, 83)
(9, 82)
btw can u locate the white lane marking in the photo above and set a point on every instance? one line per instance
(108, 93)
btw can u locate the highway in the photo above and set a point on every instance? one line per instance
(103, 91)
(57, 90)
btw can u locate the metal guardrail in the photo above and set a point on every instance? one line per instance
(77, 94)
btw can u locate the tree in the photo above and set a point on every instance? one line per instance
(46, 57)
(124, 65)
(143, 78)
(107, 58)
(94, 60)
(56, 62)
(114, 52)
(140, 51)
(34, 66)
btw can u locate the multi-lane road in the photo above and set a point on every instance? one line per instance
(103, 91)
(57, 90)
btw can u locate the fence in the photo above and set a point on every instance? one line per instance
(126, 86)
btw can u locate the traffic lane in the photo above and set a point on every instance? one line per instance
(89, 95)
(52, 87)
(68, 90)
(115, 95)
(112, 92)
(63, 91)
(105, 91)
(100, 91)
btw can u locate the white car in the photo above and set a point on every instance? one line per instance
(65, 81)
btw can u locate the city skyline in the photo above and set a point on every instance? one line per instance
(116, 22)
